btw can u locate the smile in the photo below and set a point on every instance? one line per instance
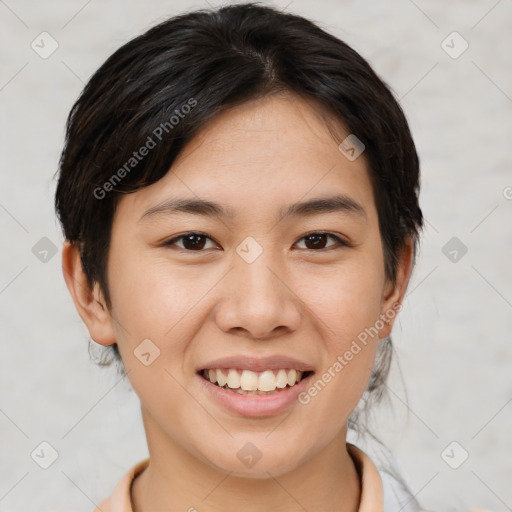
(248, 382)
(272, 394)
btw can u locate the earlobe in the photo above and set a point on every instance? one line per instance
(89, 301)
(394, 292)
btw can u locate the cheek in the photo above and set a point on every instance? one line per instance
(149, 298)
(347, 308)
(348, 299)
(156, 299)
(153, 314)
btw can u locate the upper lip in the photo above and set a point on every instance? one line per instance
(257, 364)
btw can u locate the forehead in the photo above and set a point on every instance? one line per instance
(261, 155)
(273, 127)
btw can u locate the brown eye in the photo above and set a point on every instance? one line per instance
(193, 242)
(318, 241)
(196, 241)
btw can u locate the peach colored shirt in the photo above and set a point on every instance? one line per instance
(371, 485)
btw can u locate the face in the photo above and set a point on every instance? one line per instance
(254, 279)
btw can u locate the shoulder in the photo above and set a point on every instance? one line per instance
(383, 479)
(119, 500)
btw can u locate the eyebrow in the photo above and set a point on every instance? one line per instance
(203, 207)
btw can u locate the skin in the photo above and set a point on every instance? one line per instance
(294, 299)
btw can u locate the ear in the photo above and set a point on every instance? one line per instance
(394, 293)
(89, 302)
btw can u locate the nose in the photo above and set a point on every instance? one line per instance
(258, 300)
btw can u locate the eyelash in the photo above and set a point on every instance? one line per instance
(341, 243)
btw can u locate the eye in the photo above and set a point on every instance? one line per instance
(194, 241)
(317, 240)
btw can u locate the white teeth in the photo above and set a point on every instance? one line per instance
(282, 379)
(249, 381)
(233, 380)
(221, 378)
(292, 377)
(246, 380)
(266, 381)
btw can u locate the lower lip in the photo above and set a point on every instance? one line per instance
(255, 406)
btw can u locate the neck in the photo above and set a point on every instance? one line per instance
(177, 480)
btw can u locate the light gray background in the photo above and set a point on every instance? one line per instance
(453, 338)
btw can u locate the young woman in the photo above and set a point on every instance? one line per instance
(239, 197)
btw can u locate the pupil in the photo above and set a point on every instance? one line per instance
(193, 241)
(315, 239)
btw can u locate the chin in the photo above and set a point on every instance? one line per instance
(272, 465)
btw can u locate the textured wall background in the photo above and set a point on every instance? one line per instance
(454, 334)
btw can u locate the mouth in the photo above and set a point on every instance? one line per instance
(247, 382)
